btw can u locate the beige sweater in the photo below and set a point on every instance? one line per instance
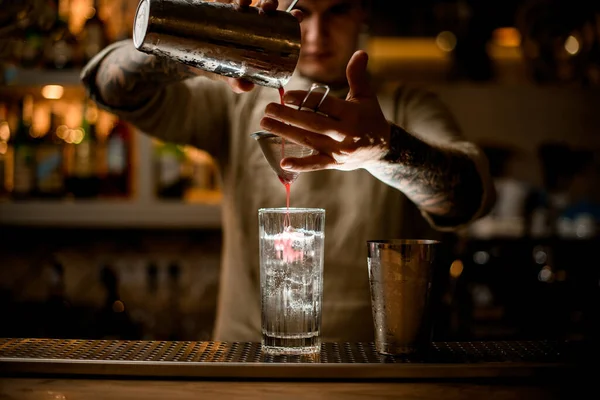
(359, 207)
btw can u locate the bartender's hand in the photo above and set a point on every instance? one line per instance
(242, 85)
(354, 133)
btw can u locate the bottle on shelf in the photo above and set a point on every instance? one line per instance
(61, 48)
(32, 50)
(152, 278)
(6, 153)
(174, 315)
(151, 295)
(49, 171)
(205, 185)
(204, 169)
(114, 319)
(125, 26)
(94, 36)
(117, 182)
(173, 171)
(83, 176)
(58, 306)
(24, 152)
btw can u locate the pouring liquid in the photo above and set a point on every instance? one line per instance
(287, 184)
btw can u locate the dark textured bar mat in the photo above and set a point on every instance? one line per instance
(246, 360)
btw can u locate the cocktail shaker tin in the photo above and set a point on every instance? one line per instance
(221, 38)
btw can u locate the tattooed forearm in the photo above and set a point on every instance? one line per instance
(128, 78)
(442, 182)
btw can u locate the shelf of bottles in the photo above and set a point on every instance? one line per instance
(64, 161)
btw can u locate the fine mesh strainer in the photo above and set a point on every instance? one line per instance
(276, 148)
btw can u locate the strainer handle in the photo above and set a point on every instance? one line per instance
(291, 7)
(314, 87)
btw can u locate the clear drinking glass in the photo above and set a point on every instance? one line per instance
(291, 278)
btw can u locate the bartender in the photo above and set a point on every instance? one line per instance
(391, 161)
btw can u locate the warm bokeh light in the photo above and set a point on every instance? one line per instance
(118, 306)
(74, 136)
(506, 37)
(92, 113)
(456, 268)
(4, 131)
(104, 124)
(446, 41)
(52, 92)
(81, 10)
(198, 156)
(78, 135)
(40, 120)
(62, 131)
(572, 45)
(73, 113)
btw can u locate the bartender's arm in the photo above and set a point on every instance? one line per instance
(160, 97)
(128, 79)
(444, 182)
(447, 179)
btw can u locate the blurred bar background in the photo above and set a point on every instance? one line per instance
(106, 233)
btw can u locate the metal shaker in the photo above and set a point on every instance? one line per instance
(400, 278)
(221, 38)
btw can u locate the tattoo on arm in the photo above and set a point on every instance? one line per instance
(442, 182)
(128, 78)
